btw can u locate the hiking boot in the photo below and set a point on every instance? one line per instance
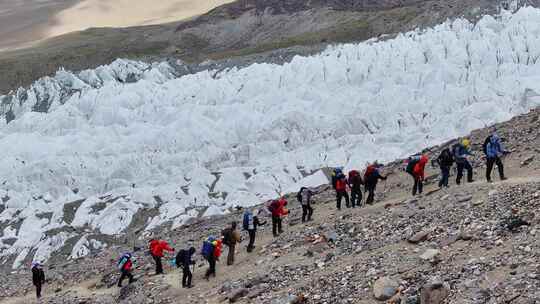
(489, 181)
(504, 178)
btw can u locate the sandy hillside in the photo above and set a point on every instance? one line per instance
(123, 13)
(23, 22)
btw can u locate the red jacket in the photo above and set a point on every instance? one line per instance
(418, 169)
(278, 207)
(341, 184)
(158, 246)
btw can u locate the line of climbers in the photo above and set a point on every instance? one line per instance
(415, 166)
(212, 247)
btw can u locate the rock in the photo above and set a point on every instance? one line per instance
(255, 293)
(328, 257)
(385, 288)
(434, 292)
(331, 236)
(463, 199)
(429, 254)
(464, 236)
(450, 240)
(527, 161)
(226, 287)
(478, 203)
(237, 294)
(418, 237)
(296, 299)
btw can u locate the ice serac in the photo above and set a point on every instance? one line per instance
(213, 140)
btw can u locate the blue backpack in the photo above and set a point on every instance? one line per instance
(247, 218)
(208, 248)
(123, 260)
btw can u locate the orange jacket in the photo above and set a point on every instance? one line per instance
(418, 170)
(217, 249)
(158, 246)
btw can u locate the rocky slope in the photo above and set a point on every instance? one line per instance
(474, 243)
(238, 29)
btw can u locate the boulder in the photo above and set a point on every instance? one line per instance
(434, 292)
(237, 294)
(419, 237)
(385, 288)
(430, 254)
(464, 198)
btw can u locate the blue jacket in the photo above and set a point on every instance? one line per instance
(460, 153)
(494, 147)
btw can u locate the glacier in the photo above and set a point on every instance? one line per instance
(132, 135)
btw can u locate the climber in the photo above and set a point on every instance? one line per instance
(371, 178)
(211, 251)
(156, 250)
(125, 265)
(38, 277)
(418, 174)
(341, 190)
(184, 260)
(355, 183)
(278, 210)
(304, 197)
(335, 173)
(493, 149)
(460, 151)
(445, 161)
(231, 237)
(250, 223)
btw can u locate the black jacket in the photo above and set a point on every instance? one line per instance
(373, 179)
(445, 159)
(38, 276)
(184, 258)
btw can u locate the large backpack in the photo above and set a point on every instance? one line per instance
(273, 206)
(180, 257)
(299, 194)
(208, 247)
(335, 176)
(446, 157)
(369, 171)
(413, 160)
(485, 144)
(122, 261)
(227, 236)
(248, 217)
(353, 174)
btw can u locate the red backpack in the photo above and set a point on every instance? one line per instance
(341, 184)
(369, 171)
(353, 173)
